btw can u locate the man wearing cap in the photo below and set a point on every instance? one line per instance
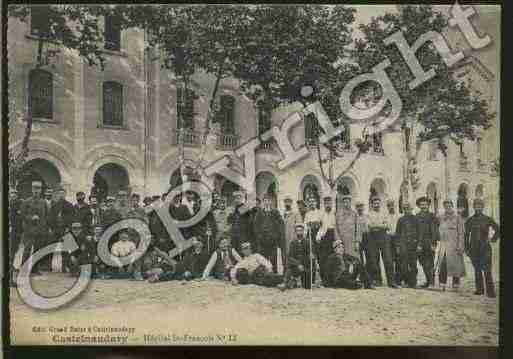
(95, 210)
(60, 217)
(255, 269)
(222, 260)
(110, 215)
(83, 212)
(300, 259)
(429, 235)
(48, 197)
(362, 229)
(393, 218)
(407, 243)
(135, 210)
(478, 248)
(452, 246)
(122, 203)
(378, 243)
(344, 269)
(291, 219)
(269, 231)
(239, 223)
(85, 252)
(313, 221)
(326, 236)
(195, 261)
(15, 228)
(34, 214)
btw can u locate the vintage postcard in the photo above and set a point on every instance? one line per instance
(253, 175)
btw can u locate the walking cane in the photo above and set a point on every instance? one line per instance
(310, 257)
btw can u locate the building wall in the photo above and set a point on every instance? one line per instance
(77, 145)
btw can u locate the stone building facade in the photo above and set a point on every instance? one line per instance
(119, 128)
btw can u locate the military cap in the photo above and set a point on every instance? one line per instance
(135, 195)
(37, 184)
(110, 198)
(76, 225)
(422, 199)
(196, 242)
(80, 193)
(238, 193)
(299, 224)
(245, 245)
(478, 201)
(288, 199)
(359, 204)
(346, 196)
(337, 243)
(375, 198)
(327, 199)
(49, 190)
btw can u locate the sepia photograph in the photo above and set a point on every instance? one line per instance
(233, 175)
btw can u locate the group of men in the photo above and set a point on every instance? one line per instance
(343, 245)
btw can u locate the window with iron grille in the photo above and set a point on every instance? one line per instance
(39, 24)
(112, 104)
(185, 108)
(226, 114)
(112, 34)
(40, 103)
(312, 129)
(264, 120)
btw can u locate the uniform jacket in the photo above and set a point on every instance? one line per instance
(269, 229)
(477, 230)
(338, 267)
(346, 229)
(83, 214)
(60, 216)
(428, 232)
(29, 208)
(407, 232)
(299, 253)
(240, 227)
(290, 220)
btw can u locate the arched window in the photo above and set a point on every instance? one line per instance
(225, 115)
(312, 130)
(112, 104)
(112, 34)
(40, 102)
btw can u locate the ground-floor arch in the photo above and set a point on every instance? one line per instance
(109, 179)
(38, 169)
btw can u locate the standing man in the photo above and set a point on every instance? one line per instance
(325, 237)
(300, 260)
(452, 246)
(240, 223)
(407, 242)
(478, 248)
(135, 210)
(83, 213)
(49, 197)
(346, 226)
(362, 233)
(393, 218)
(221, 218)
(122, 203)
(313, 218)
(15, 228)
(95, 210)
(378, 243)
(110, 215)
(269, 231)
(34, 214)
(60, 218)
(291, 219)
(428, 238)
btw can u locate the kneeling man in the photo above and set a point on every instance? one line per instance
(343, 269)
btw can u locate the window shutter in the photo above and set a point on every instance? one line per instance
(112, 34)
(112, 104)
(185, 108)
(226, 114)
(41, 94)
(39, 23)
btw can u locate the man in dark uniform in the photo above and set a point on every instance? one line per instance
(60, 218)
(478, 248)
(34, 214)
(428, 236)
(240, 223)
(343, 269)
(83, 213)
(95, 210)
(407, 243)
(300, 260)
(110, 215)
(269, 230)
(48, 197)
(15, 228)
(195, 261)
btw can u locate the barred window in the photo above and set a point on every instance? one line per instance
(264, 120)
(377, 143)
(112, 104)
(112, 34)
(225, 115)
(185, 108)
(39, 24)
(312, 129)
(40, 102)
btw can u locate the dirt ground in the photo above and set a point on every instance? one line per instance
(256, 315)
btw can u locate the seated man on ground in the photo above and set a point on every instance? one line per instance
(122, 248)
(157, 266)
(343, 269)
(222, 261)
(254, 269)
(195, 261)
